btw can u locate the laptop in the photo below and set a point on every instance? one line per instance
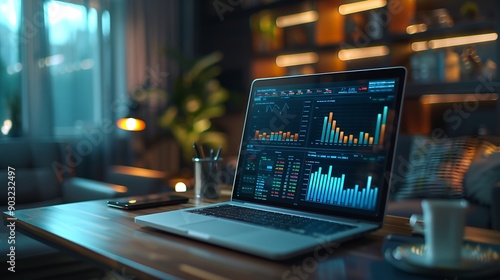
(313, 168)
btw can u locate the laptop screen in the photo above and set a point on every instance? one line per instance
(322, 142)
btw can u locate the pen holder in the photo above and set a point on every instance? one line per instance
(205, 178)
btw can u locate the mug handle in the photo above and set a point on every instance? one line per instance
(416, 222)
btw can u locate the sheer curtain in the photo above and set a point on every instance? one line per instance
(51, 59)
(75, 64)
(152, 27)
(68, 53)
(76, 33)
(64, 68)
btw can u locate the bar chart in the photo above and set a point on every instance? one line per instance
(279, 123)
(329, 189)
(332, 133)
(276, 136)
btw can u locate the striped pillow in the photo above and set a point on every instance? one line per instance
(437, 167)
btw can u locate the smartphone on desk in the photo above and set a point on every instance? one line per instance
(148, 201)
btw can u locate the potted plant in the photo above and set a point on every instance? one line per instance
(196, 99)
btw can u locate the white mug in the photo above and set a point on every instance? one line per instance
(444, 223)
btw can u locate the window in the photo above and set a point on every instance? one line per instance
(10, 67)
(58, 56)
(73, 61)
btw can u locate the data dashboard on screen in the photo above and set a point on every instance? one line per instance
(319, 145)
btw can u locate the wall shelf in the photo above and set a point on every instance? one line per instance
(466, 87)
(458, 29)
(334, 32)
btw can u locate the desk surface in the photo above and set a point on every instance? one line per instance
(110, 237)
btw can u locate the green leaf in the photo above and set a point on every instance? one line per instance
(211, 112)
(168, 116)
(218, 96)
(202, 65)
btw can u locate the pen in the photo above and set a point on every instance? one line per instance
(211, 163)
(217, 154)
(197, 152)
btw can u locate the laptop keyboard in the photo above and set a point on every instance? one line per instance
(291, 223)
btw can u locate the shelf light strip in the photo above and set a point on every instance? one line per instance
(453, 98)
(296, 19)
(361, 6)
(350, 54)
(453, 41)
(419, 46)
(416, 28)
(296, 59)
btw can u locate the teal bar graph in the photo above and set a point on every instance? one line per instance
(332, 133)
(329, 189)
(377, 129)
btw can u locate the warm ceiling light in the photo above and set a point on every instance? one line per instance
(416, 28)
(296, 59)
(296, 19)
(361, 6)
(351, 54)
(463, 40)
(131, 124)
(419, 46)
(454, 98)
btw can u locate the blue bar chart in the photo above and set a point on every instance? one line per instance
(333, 134)
(328, 189)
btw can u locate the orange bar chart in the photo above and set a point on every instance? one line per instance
(276, 136)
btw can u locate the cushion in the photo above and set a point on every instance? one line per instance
(483, 174)
(15, 154)
(45, 153)
(48, 184)
(437, 167)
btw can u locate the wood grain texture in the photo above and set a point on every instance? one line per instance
(110, 237)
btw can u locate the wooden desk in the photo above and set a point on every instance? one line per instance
(110, 237)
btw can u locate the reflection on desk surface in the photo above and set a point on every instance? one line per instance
(110, 237)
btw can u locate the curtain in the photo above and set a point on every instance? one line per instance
(153, 26)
